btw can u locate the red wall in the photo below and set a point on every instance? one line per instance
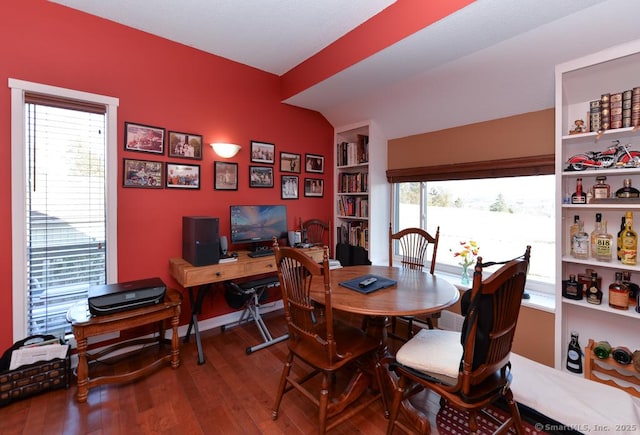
(164, 84)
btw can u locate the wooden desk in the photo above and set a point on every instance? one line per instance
(201, 277)
(416, 293)
(85, 325)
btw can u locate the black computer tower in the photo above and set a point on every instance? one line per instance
(200, 240)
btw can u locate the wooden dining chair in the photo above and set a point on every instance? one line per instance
(322, 343)
(470, 370)
(317, 232)
(413, 244)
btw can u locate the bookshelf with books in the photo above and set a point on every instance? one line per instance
(360, 184)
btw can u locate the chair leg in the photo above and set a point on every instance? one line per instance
(473, 421)
(515, 413)
(324, 403)
(286, 370)
(430, 322)
(398, 395)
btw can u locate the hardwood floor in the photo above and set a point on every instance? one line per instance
(232, 393)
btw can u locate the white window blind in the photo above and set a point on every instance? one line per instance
(65, 207)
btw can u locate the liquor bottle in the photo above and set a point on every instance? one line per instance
(601, 189)
(604, 242)
(594, 294)
(619, 242)
(573, 229)
(634, 289)
(572, 289)
(574, 354)
(595, 233)
(627, 191)
(618, 293)
(579, 197)
(629, 242)
(580, 243)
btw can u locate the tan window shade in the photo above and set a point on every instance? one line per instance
(522, 166)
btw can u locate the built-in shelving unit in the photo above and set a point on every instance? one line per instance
(578, 83)
(360, 185)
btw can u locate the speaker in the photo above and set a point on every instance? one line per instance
(200, 240)
(224, 247)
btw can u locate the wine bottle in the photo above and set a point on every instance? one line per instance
(579, 197)
(580, 243)
(594, 293)
(595, 234)
(627, 191)
(573, 229)
(574, 354)
(619, 241)
(629, 242)
(618, 293)
(604, 240)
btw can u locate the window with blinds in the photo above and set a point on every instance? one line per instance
(65, 207)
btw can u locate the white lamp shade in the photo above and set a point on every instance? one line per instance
(225, 150)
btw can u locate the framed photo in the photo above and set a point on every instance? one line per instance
(263, 152)
(289, 186)
(144, 138)
(185, 145)
(314, 163)
(181, 176)
(142, 173)
(314, 187)
(260, 176)
(290, 162)
(225, 176)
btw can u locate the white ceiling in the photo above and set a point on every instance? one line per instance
(493, 58)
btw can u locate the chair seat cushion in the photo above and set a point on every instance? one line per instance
(435, 352)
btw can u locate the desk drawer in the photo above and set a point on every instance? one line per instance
(264, 265)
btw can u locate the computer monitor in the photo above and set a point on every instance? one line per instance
(257, 223)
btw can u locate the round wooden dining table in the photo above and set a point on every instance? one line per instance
(415, 293)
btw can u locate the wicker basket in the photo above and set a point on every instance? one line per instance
(35, 378)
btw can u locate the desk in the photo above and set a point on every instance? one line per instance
(416, 293)
(201, 277)
(85, 325)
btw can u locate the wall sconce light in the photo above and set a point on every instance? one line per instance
(225, 150)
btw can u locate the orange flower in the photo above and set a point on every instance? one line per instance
(468, 253)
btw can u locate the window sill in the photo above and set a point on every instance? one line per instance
(538, 300)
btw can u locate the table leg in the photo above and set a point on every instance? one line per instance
(196, 307)
(175, 341)
(82, 370)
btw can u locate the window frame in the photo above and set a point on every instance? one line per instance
(512, 167)
(18, 187)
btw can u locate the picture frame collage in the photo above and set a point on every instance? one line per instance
(153, 174)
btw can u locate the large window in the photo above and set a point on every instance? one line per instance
(62, 206)
(502, 215)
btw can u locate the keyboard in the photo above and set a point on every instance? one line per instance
(261, 253)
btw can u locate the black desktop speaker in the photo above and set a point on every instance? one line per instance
(200, 240)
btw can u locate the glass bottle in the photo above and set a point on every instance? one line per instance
(595, 233)
(572, 289)
(580, 243)
(579, 197)
(627, 191)
(602, 349)
(573, 229)
(629, 242)
(601, 190)
(619, 242)
(604, 242)
(634, 289)
(618, 293)
(594, 294)
(574, 354)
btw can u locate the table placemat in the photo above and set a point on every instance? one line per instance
(380, 283)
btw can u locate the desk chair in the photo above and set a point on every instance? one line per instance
(326, 346)
(412, 246)
(470, 369)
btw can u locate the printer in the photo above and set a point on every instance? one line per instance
(112, 298)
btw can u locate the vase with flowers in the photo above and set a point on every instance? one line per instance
(467, 256)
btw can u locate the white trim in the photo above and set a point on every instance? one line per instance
(18, 188)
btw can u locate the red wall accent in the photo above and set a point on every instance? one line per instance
(164, 84)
